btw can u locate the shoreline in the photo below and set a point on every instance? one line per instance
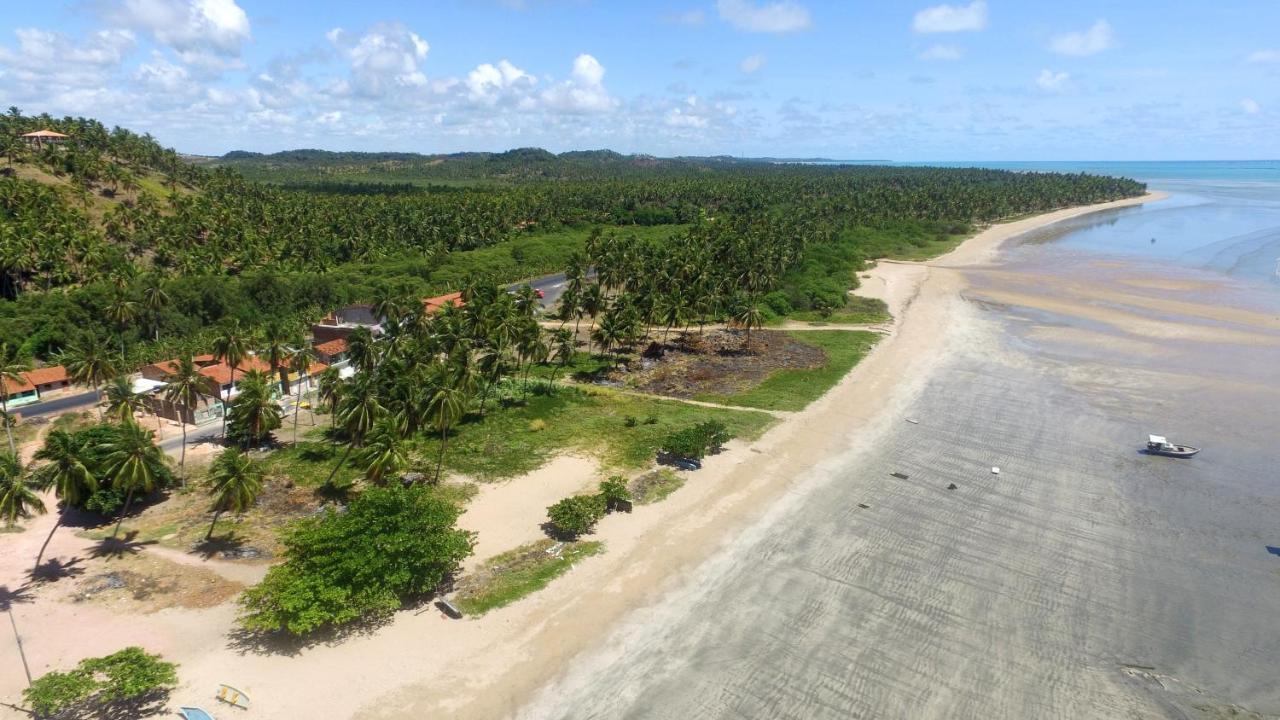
(650, 556)
(493, 666)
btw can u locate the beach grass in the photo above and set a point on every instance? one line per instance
(512, 575)
(858, 311)
(795, 389)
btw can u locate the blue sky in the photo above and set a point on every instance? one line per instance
(894, 80)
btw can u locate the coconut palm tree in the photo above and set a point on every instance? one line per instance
(65, 471)
(445, 407)
(185, 388)
(122, 401)
(300, 362)
(231, 346)
(154, 301)
(330, 392)
(279, 341)
(133, 464)
(235, 482)
(89, 363)
(19, 494)
(122, 311)
(359, 408)
(11, 368)
(255, 413)
(748, 315)
(384, 454)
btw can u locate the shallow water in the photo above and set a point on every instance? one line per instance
(1085, 580)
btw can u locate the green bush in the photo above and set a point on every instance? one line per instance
(615, 494)
(130, 683)
(392, 544)
(695, 442)
(577, 515)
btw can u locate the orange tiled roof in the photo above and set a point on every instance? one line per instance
(221, 373)
(13, 387)
(434, 304)
(45, 375)
(332, 347)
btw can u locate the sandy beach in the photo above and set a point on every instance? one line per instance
(526, 659)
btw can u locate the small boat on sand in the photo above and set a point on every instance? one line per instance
(1157, 445)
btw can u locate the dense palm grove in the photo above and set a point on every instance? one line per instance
(126, 220)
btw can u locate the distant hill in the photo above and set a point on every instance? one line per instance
(294, 167)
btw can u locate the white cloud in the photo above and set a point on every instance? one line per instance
(584, 92)
(385, 59)
(691, 18)
(752, 63)
(1052, 81)
(162, 76)
(1250, 106)
(1264, 56)
(776, 17)
(942, 52)
(951, 18)
(58, 63)
(1090, 42)
(207, 33)
(487, 83)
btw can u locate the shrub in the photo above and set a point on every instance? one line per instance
(615, 494)
(630, 421)
(577, 515)
(538, 425)
(129, 683)
(392, 544)
(695, 442)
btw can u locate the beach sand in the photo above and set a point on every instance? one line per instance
(610, 606)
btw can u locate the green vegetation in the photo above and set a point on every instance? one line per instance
(794, 389)
(655, 485)
(130, 683)
(695, 442)
(392, 544)
(577, 515)
(512, 575)
(857, 311)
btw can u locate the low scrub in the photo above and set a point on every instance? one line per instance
(512, 575)
(579, 514)
(696, 442)
(130, 683)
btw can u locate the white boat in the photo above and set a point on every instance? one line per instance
(1158, 445)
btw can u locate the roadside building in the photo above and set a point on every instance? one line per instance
(340, 323)
(18, 394)
(49, 381)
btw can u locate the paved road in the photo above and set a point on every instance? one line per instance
(552, 287)
(57, 405)
(172, 442)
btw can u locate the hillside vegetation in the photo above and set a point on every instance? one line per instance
(112, 235)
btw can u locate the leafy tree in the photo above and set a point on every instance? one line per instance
(254, 414)
(577, 515)
(129, 683)
(133, 463)
(235, 482)
(391, 545)
(66, 472)
(11, 368)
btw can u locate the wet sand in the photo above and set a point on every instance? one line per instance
(1086, 580)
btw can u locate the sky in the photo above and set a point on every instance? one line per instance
(889, 80)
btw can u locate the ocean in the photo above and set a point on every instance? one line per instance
(1086, 579)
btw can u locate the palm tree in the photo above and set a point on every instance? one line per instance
(154, 300)
(19, 497)
(123, 312)
(255, 413)
(231, 346)
(11, 368)
(300, 362)
(330, 391)
(133, 463)
(445, 407)
(122, 401)
(385, 453)
(748, 315)
(279, 341)
(89, 364)
(563, 347)
(66, 473)
(235, 484)
(360, 408)
(186, 387)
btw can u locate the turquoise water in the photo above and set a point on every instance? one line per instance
(1222, 217)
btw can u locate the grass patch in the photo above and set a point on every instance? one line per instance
(794, 389)
(509, 442)
(655, 486)
(928, 249)
(858, 311)
(512, 575)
